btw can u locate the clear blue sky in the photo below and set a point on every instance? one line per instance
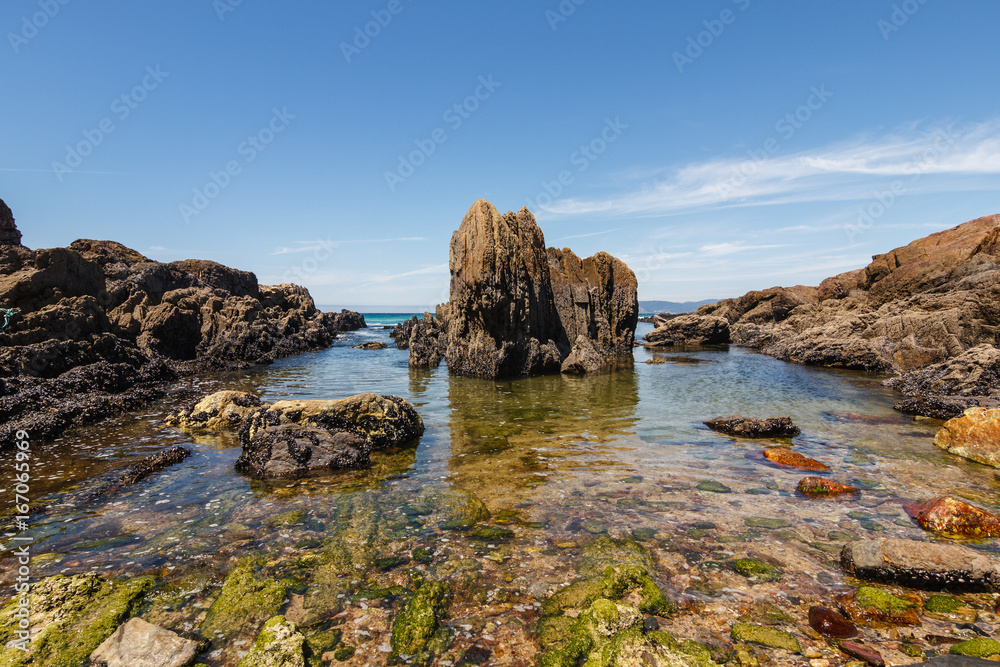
(893, 102)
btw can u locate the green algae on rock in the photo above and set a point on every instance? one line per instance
(947, 608)
(980, 647)
(873, 607)
(766, 523)
(71, 616)
(752, 568)
(603, 551)
(417, 623)
(279, 644)
(713, 487)
(770, 637)
(246, 601)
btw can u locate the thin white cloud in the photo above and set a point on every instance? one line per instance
(584, 236)
(719, 249)
(327, 244)
(839, 172)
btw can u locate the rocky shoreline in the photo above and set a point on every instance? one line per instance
(100, 329)
(924, 313)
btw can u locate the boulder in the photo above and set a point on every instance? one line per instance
(517, 309)
(922, 565)
(219, 411)
(975, 436)
(141, 644)
(820, 487)
(953, 518)
(749, 427)
(373, 345)
(792, 459)
(293, 451)
(690, 329)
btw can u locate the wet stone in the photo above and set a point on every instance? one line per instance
(766, 523)
(788, 458)
(830, 623)
(769, 637)
(980, 647)
(947, 608)
(953, 518)
(820, 487)
(874, 607)
(713, 487)
(755, 569)
(861, 652)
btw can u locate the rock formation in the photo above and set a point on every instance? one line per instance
(9, 234)
(101, 328)
(926, 311)
(517, 309)
(290, 439)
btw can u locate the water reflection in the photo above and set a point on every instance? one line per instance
(510, 437)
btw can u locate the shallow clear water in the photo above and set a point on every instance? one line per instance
(573, 456)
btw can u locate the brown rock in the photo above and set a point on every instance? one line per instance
(749, 427)
(792, 459)
(9, 234)
(874, 607)
(374, 345)
(820, 487)
(953, 518)
(690, 329)
(975, 436)
(293, 451)
(517, 309)
(830, 623)
(923, 565)
(861, 652)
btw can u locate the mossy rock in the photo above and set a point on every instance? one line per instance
(247, 599)
(713, 487)
(870, 597)
(980, 647)
(769, 637)
(320, 643)
(752, 568)
(947, 608)
(416, 624)
(344, 653)
(423, 555)
(72, 616)
(603, 551)
(612, 585)
(279, 644)
(644, 534)
(457, 509)
(490, 534)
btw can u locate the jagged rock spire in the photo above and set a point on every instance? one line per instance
(9, 235)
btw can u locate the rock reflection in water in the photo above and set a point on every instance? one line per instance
(510, 437)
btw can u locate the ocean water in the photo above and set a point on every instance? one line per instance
(571, 458)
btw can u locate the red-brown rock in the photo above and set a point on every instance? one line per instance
(861, 652)
(953, 518)
(975, 436)
(792, 459)
(820, 487)
(830, 623)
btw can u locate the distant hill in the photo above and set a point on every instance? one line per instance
(674, 307)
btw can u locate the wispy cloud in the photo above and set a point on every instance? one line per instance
(839, 172)
(720, 249)
(584, 236)
(310, 246)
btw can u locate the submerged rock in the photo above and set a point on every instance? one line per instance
(922, 565)
(689, 330)
(831, 624)
(975, 436)
(769, 637)
(417, 623)
(862, 652)
(279, 644)
(792, 459)
(749, 427)
(872, 606)
(820, 487)
(953, 518)
(947, 608)
(141, 644)
(374, 345)
(245, 602)
(980, 647)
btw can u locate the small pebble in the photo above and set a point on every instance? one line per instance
(819, 662)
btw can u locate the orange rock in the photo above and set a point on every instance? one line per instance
(954, 518)
(786, 457)
(818, 487)
(975, 435)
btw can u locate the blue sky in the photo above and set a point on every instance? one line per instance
(716, 146)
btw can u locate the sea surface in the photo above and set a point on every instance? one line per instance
(570, 458)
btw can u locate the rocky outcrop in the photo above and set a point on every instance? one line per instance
(141, 644)
(926, 311)
(975, 436)
(291, 439)
(749, 427)
(517, 309)
(102, 328)
(9, 234)
(922, 565)
(690, 330)
(954, 518)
